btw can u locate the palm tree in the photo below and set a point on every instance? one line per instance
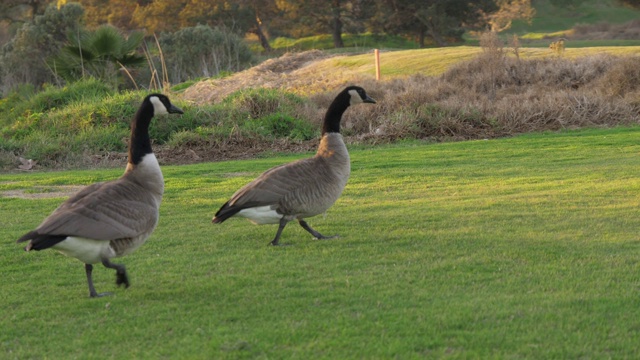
(101, 54)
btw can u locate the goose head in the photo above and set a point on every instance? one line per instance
(357, 95)
(162, 105)
(351, 95)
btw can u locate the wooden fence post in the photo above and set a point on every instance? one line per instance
(377, 55)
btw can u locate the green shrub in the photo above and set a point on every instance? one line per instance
(278, 125)
(260, 102)
(21, 60)
(62, 125)
(41, 146)
(23, 102)
(99, 53)
(199, 136)
(101, 139)
(199, 51)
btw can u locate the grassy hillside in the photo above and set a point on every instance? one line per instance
(434, 62)
(440, 94)
(513, 248)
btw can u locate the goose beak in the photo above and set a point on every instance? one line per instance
(175, 110)
(369, 100)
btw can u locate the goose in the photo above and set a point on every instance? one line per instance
(110, 219)
(302, 188)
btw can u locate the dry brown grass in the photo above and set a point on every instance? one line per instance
(288, 72)
(530, 95)
(493, 95)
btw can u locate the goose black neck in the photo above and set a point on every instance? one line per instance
(140, 143)
(334, 114)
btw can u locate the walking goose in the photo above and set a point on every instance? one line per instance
(303, 188)
(111, 219)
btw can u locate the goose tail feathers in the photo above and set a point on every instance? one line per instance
(225, 212)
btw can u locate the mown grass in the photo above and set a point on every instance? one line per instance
(515, 248)
(434, 62)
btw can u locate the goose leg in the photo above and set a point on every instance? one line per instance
(92, 290)
(315, 234)
(121, 272)
(275, 240)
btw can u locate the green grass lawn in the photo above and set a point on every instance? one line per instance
(525, 247)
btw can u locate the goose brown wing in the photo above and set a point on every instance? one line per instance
(103, 211)
(270, 187)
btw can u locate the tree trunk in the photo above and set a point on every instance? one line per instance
(435, 35)
(428, 24)
(421, 32)
(336, 30)
(35, 6)
(264, 42)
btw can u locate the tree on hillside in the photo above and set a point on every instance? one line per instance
(118, 13)
(334, 17)
(243, 16)
(13, 13)
(218, 13)
(437, 19)
(22, 59)
(509, 10)
(568, 4)
(199, 51)
(632, 3)
(22, 10)
(159, 15)
(262, 12)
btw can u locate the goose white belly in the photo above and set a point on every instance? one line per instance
(261, 215)
(89, 251)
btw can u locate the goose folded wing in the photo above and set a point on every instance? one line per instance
(101, 212)
(273, 185)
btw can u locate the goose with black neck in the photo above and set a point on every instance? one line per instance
(303, 188)
(111, 219)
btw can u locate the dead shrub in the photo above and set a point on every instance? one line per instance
(530, 95)
(622, 78)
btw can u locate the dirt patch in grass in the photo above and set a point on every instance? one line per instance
(43, 192)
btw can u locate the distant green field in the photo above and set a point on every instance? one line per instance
(514, 248)
(549, 18)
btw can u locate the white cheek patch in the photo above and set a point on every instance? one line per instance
(158, 106)
(355, 97)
